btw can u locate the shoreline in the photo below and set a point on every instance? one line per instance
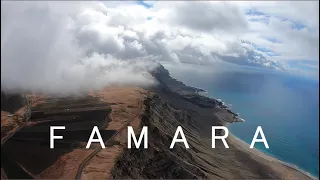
(245, 146)
(242, 145)
(284, 169)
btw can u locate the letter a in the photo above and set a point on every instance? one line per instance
(184, 140)
(95, 130)
(264, 140)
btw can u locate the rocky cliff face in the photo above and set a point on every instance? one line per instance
(162, 109)
(199, 161)
(11, 102)
(181, 96)
(162, 75)
(174, 104)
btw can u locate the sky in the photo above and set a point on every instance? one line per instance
(70, 46)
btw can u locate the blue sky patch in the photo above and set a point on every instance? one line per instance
(144, 4)
(265, 19)
(253, 12)
(308, 65)
(294, 24)
(297, 26)
(257, 16)
(272, 54)
(273, 40)
(262, 49)
(267, 51)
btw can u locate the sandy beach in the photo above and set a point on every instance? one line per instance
(287, 170)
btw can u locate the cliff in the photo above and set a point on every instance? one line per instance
(198, 162)
(174, 104)
(180, 95)
(162, 108)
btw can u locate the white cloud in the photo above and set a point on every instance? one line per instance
(67, 46)
(295, 25)
(49, 49)
(206, 16)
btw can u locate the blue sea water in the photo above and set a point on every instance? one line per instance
(286, 106)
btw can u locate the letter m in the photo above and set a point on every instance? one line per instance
(143, 133)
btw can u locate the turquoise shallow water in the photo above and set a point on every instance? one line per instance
(285, 106)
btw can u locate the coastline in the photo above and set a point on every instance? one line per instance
(245, 146)
(242, 145)
(201, 98)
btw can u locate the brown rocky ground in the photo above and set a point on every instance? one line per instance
(64, 161)
(138, 107)
(200, 161)
(170, 104)
(11, 122)
(127, 104)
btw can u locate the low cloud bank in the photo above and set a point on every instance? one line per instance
(65, 47)
(58, 49)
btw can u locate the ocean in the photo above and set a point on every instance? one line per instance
(286, 106)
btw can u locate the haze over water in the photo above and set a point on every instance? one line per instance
(285, 106)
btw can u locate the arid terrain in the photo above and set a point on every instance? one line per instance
(162, 108)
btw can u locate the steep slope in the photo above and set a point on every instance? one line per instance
(199, 161)
(162, 109)
(13, 109)
(174, 104)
